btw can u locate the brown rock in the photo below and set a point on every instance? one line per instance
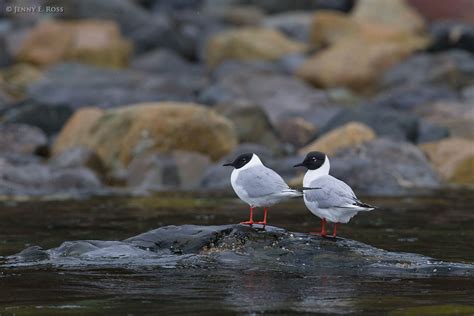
(362, 45)
(119, 135)
(349, 135)
(356, 62)
(452, 158)
(250, 44)
(17, 77)
(89, 41)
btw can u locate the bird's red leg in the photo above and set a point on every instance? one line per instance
(264, 222)
(334, 232)
(250, 221)
(323, 229)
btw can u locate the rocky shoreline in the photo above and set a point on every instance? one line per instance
(144, 96)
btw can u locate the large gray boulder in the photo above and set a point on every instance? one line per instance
(238, 247)
(385, 167)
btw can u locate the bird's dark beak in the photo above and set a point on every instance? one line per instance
(228, 164)
(298, 165)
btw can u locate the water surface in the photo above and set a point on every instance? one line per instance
(441, 226)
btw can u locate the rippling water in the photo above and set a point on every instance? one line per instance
(441, 226)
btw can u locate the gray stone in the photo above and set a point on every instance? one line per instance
(386, 122)
(430, 132)
(76, 85)
(160, 60)
(49, 118)
(21, 139)
(38, 179)
(280, 96)
(385, 167)
(295, 24)
(76, 157)
(158, 171)
(454, 68)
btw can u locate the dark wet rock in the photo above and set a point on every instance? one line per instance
(295, 24)
(21, 139)
(76, 85)
(429, 131)
(162, 60)
(49, 118)
(456, 116)
(408, 98)
(38, 179)
(251, 124)
(452, 35)
(385, 167)
(454, 68)
(271, 6)
(179, 170)
(385, 122)
(279, 95)
(78, 157)
(238, 247)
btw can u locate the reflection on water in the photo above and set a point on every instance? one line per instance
(441, 227)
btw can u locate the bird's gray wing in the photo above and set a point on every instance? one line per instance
(333, 193)
(261, 181)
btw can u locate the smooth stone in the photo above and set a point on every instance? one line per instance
(77, 85)
(294, 24)
(385, 167)
(178, 170)
(21, 139)
(452, 35)
(239, 247)
(454, 68)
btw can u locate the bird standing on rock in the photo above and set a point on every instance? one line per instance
(258, 185)
(335, 201)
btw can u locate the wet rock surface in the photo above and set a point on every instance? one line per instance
(238, 247)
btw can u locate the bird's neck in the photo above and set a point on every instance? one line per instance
(312, 175)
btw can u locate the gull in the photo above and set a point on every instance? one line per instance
(335, 201)
(257, 185)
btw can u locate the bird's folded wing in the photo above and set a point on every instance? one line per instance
(261, 181)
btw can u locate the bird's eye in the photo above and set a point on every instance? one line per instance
(314, 158)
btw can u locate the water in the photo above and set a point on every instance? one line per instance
(441, 226)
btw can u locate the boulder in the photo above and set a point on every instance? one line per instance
(385, 167)
(119, 135)
(349, 135)
(454, 68)
(294, 24)
(356, 62)
(77, 157)
(79, 85)
(18, 77)
(296, 131)
(49, 118)
(461, 10)
(36, 179)
(178, 170)
(160, 60)
(279, 95)
(239, 15)
(235, 248)
(385, 122)
(21, 139)
(249, 44)
(430, 132)
(452, 35)
(453, 159)
(90, 41)
(361, 46)
(395, 14)
(251, 124)
(456, 116)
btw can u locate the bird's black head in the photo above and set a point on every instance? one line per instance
(240, 161)
(313, 160)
